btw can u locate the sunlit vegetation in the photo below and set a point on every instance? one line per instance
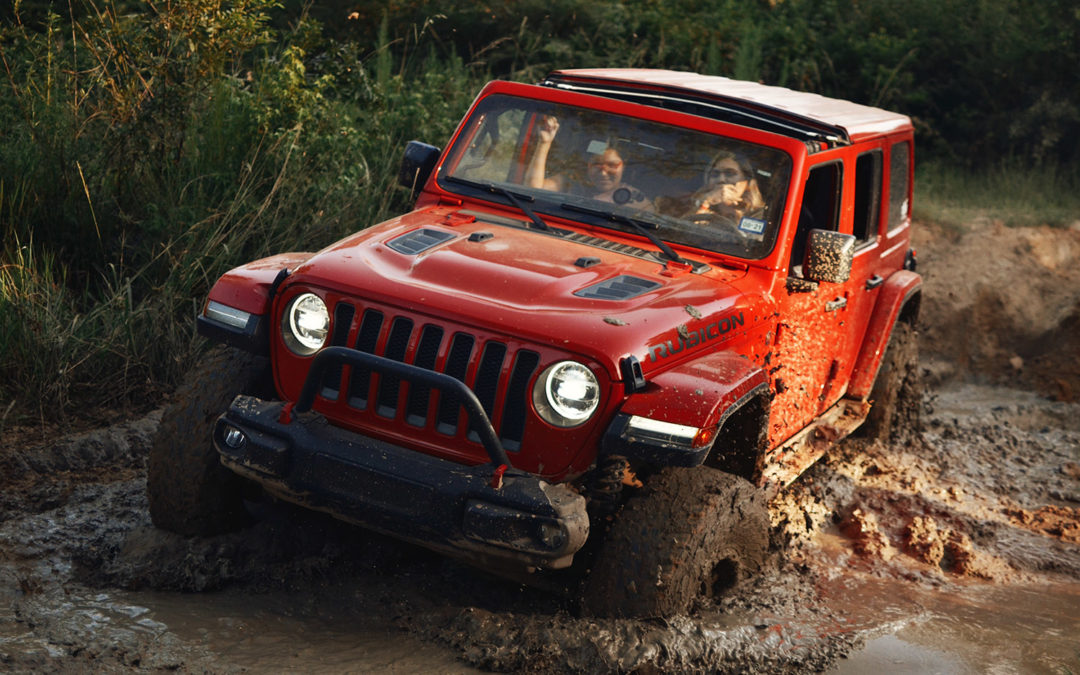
(146, 147)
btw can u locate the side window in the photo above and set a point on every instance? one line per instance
(899, 162)
(867, 196)
(820, 206)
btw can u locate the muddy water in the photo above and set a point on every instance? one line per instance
(1023, 630)
(998, 451)
(954, 552)
(324, 632)
(966, 628)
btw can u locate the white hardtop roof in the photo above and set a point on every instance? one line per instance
(858, 121)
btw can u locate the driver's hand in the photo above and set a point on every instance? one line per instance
(720, 195)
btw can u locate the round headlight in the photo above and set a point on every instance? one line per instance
(566, 394)
(306, 324)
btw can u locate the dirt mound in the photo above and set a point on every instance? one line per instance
(107, 454)
(989, 491)
(1002, 305)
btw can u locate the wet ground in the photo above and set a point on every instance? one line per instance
(953, 550)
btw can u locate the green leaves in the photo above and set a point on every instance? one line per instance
(150, 145)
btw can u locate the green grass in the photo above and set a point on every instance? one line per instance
(146, 149)
(123, 197)
(1011, 192)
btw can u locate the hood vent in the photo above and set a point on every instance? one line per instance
(621, 287)
(418, 241)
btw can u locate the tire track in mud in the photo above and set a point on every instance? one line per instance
(983, 504)
(987, 493)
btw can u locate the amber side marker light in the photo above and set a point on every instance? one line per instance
(665, 433)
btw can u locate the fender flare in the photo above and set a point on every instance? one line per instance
(898, 301)
(701, 394)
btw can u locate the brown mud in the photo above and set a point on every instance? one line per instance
(956, 549)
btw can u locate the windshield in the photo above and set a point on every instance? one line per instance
(703, 190)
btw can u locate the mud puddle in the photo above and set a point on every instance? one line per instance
(974, 630)
(329, 631)
(995, 477)
(955, 551)
(961, 627)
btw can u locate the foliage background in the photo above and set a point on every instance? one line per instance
(148, 146)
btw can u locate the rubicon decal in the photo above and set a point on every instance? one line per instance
(685, 339)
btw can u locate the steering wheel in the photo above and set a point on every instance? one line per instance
(723, 228)
(712, 218)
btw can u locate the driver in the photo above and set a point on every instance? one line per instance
(603, 170)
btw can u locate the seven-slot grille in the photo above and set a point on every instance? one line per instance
(433, 347)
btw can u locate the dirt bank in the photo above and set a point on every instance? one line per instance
(1002, 305)
(876, 540)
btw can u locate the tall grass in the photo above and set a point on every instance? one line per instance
(133, 172)
(1012, 192)
(146, 147)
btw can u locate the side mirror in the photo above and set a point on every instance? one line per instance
(828, 256)
(417, 165)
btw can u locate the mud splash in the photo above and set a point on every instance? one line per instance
(963, 533)
(953, 551)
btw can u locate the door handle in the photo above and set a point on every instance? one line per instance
(836, 304)
(874, 281)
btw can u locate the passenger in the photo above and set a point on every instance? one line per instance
(730, 192)
(603, 171)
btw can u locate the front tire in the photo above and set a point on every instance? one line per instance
(691, 533)
(189, 491)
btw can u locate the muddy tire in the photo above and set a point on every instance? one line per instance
(691, 533)
(190, 492)
(897, 392)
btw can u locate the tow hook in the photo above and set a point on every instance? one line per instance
(497, 477)
(286, 416)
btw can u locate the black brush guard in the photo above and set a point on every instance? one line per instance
(489, 512)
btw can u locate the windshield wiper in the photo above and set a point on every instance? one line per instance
(516, 198)
(643, 227)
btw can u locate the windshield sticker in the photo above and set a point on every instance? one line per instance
(752, 225)
(685, 338)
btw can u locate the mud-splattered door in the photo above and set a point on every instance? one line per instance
(809, 335)
(822, 323)
(805, 358)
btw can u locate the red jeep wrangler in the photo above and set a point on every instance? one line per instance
(628, 307)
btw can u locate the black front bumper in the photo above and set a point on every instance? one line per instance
(472, 511)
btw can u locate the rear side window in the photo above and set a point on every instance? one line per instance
(899, 189)
(867, 195)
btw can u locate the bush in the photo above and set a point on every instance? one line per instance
(146, 147)
(146, 153)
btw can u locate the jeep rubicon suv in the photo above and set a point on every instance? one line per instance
(628, 307)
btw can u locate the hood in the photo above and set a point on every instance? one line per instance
(590, 294)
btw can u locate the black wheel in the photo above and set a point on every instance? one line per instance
(190, 492)
(895, 398)
(690, 533)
